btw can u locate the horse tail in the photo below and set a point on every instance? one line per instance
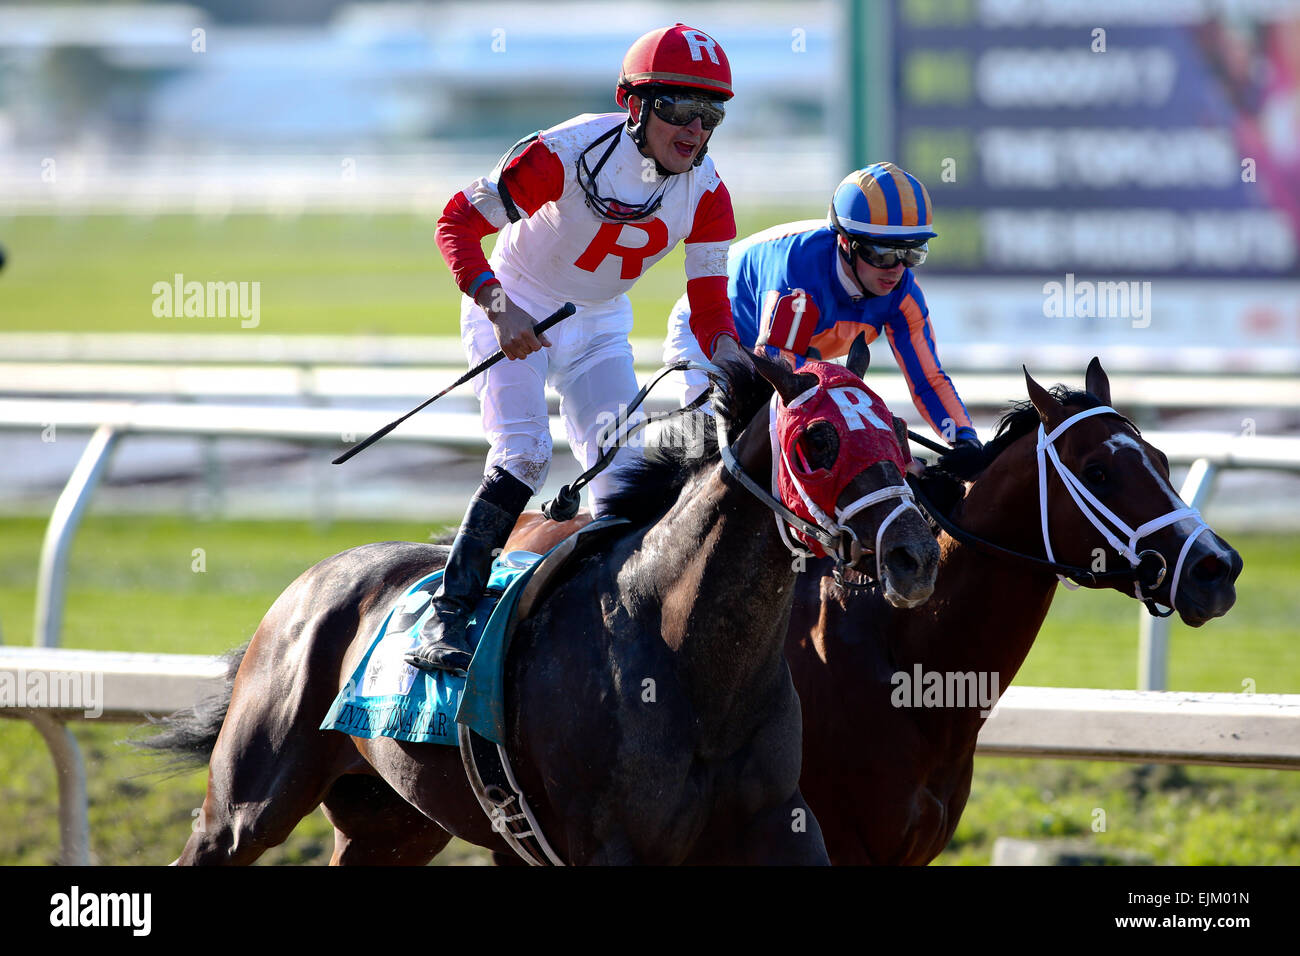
(189, 736)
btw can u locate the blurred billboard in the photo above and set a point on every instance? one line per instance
(1159, 138)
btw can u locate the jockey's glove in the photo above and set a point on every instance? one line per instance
(965, 459)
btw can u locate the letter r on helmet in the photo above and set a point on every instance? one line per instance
(698, 41)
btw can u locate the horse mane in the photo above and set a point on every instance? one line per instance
(653, 483)
(945, 490)
(1022, 418)
(686, 447)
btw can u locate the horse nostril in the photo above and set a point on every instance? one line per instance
(1211, 569)
(902, 561)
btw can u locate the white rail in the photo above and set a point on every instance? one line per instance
(51, 687)
(1206, 452)
(1227, 730)
(1233, 730)
(410, 381)
(110, 421)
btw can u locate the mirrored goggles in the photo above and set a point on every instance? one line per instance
(886, 257)
(680, 110)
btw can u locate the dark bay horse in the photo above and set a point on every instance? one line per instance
(695, 599)
(889, 783)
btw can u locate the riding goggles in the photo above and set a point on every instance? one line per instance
(680, 110)
(886, 257)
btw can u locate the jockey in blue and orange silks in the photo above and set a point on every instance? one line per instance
(818, 283)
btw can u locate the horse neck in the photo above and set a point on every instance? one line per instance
(724, 580)
(989, 608)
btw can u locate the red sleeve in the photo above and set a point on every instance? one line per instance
(714, 219)
(712, 230)
(459, 235)
(710, 311)
(533, 178)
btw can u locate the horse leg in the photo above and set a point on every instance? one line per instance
(373, 826)
(270, 766)
(785, 835)
(255, 798)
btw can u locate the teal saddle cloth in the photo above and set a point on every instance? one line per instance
(386, 697)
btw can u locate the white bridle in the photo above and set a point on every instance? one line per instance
(1094, 510)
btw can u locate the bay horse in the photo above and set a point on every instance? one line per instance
(694, 598)
(889, 783)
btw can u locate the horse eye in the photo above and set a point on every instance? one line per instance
(1094, 475)
(820, 445)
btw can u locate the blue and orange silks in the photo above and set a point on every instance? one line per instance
(790, 288)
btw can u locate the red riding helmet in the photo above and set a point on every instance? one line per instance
(675, 56)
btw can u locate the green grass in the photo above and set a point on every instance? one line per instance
(324, 274)
(133, 588)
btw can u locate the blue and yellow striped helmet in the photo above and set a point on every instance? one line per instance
(883, 202)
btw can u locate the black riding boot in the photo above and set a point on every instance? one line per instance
(488, 522)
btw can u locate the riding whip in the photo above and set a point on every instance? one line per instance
(563, 312)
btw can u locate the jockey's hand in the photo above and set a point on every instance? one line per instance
(727, 356)
(965, 459)
(513, 326)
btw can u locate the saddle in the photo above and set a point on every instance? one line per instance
(480, 719)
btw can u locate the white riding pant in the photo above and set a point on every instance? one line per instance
(589, 363)
(682, 344)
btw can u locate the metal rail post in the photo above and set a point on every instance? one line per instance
(74, 808)
(1153, 632)
(50, 581)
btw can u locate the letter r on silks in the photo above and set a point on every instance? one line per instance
(606, 244)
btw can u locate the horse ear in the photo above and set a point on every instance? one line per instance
(1096, 382)
(1049, 409)
(900, 432)
(859, 356)
(788, 383)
